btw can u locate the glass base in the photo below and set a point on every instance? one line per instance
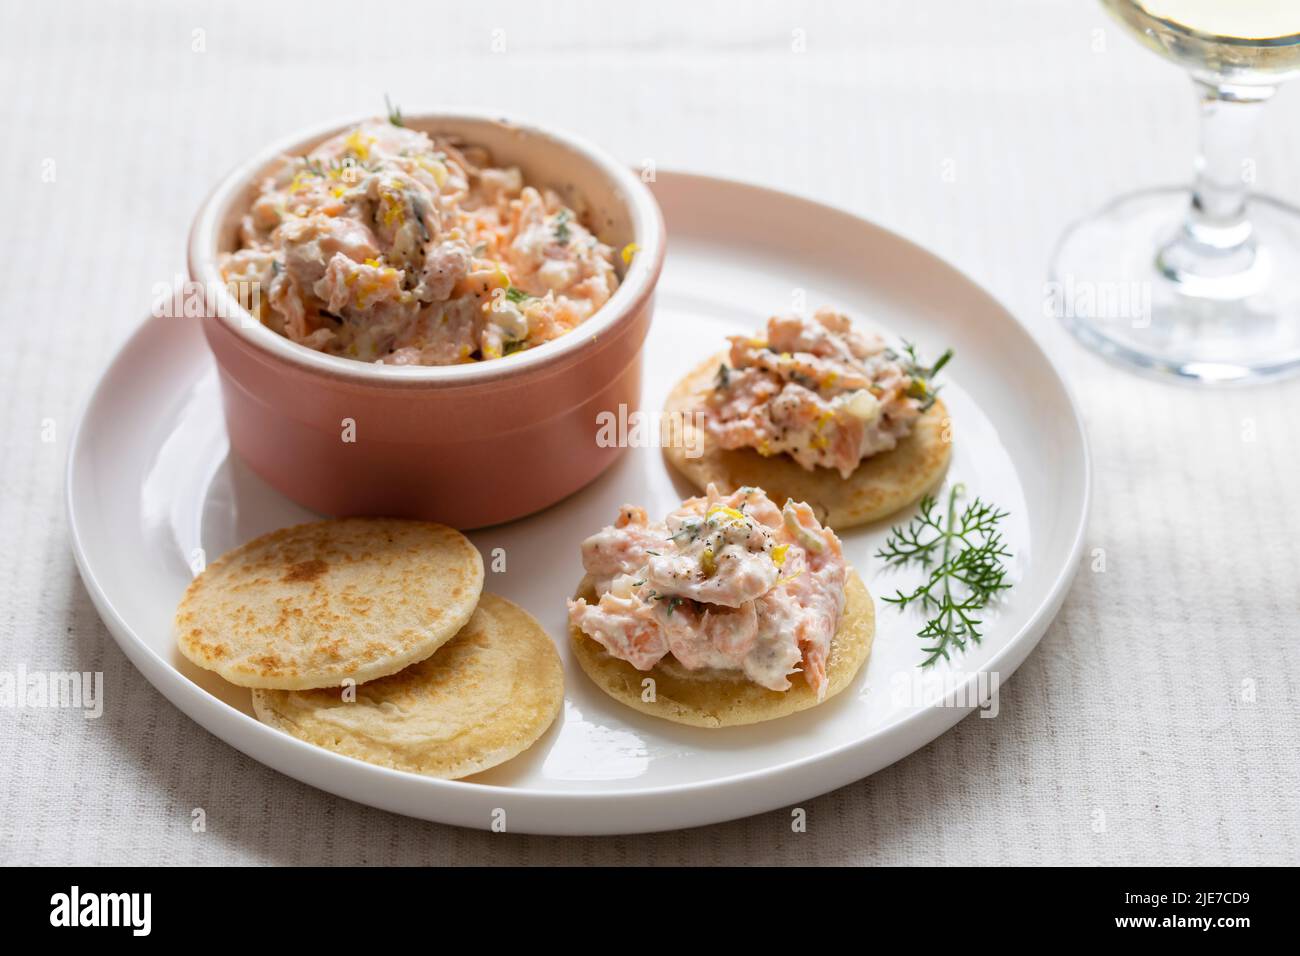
(1114, 290)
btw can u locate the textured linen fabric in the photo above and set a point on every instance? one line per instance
(1156, 722)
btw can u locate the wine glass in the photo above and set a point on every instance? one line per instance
(1200, 283)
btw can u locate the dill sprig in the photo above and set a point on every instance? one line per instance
(922, 387)
(671, 601)
(688, 532)
(964, 555)
(394, 112)
(562, 227)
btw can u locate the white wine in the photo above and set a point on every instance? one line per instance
(1246, 42)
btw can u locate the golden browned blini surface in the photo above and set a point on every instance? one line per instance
(315, 604)
(711, 698)
(881, 485)
(487, 695)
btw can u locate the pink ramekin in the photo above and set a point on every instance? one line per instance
(467, 445)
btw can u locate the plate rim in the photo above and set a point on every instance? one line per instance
(346, 777)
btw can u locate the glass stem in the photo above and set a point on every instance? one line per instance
(1215, 243)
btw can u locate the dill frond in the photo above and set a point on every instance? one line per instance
(964, 554)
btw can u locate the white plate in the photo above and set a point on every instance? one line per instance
(150, 481)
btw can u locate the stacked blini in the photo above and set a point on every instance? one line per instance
(373, 638)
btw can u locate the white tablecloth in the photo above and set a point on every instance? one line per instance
(1156, 722)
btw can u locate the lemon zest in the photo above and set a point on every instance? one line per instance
(359, 144)
(731, 513)
(435, 169)
(707, 563)
(393, 209)
(367, 290)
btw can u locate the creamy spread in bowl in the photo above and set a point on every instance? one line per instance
(730, 583)
(384, 244)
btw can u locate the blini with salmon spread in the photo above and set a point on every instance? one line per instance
(881, 485)
(712, 698)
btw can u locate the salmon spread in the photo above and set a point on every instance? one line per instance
(384, 245)
(818, 390)
(731, 583)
